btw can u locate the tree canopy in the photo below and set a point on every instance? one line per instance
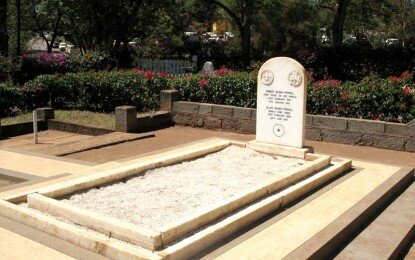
(264, 27)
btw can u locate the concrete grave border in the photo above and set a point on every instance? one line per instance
(155, 239)
(152, 240)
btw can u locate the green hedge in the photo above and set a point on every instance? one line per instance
(390, 99)
(101, 91)
(374, 98)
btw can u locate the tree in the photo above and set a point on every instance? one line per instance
(18, 27)
(284, 27)
(4, 36)
(47, 18)
(339, 19)
(242, 15)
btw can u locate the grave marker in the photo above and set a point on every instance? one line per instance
(281, 103)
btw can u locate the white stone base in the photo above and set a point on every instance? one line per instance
(287, 151)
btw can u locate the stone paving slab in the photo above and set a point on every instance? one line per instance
(35, 165)
(283, 237)
(14, 246)
(388, 234)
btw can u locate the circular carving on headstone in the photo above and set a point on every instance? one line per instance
(295, 78)
(267, 77)
(278, 130)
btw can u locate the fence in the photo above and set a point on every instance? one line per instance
(177, 68)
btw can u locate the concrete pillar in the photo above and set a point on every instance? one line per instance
(167, 98)
(125, 119)
(45, 113)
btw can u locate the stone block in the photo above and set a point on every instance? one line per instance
(384, 142)
(45, 113)
(410, 145)
(125, 119)
(242, 113)
(222, 111)
(205, 109)
(212, 123)
(331, 122)
(231, 124)
(398, 129)
(248, 126)
(333, 136)
(366, 126)
(309, 120)
(188, 119)
(186, 107)
(253, 115)
(167, 99)
(313, 134)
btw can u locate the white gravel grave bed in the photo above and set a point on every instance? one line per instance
(158, 197)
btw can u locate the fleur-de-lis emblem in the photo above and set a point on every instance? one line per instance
(295, 78)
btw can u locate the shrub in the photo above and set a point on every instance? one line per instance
(372, 98)
(10, 99)
(91, 61)
(99, 91)
(391, 99)
(221, 87)
(34, 64)
(5, 67)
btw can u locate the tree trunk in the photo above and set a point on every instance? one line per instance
(4, 37)
(246, 33)
(18, 29)
(338, 21)
(243, 23)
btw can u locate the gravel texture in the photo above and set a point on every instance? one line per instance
(160, 196)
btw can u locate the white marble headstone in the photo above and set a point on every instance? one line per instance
(281, 103)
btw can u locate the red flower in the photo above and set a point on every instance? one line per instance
(394, 79)
(222, 71)
(405, 75)
(148, 75)
(327, 83)
(406, 90)
(203, 83)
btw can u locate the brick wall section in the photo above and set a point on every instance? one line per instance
(378, 134)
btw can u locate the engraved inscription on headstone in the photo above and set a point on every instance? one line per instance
(281, 103)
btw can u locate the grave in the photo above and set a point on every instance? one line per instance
(83, 211)
(281, 108)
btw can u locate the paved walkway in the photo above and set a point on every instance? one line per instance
(179, 135)
(44, 166)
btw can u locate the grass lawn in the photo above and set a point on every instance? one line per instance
(94, 119)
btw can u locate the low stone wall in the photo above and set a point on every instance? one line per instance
(153, 121)
(54, 124)
(378, 134)
(21, 128)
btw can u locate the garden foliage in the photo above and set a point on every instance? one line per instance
(391, 99)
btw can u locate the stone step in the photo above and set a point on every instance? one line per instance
(317, 229)
(389, 234)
